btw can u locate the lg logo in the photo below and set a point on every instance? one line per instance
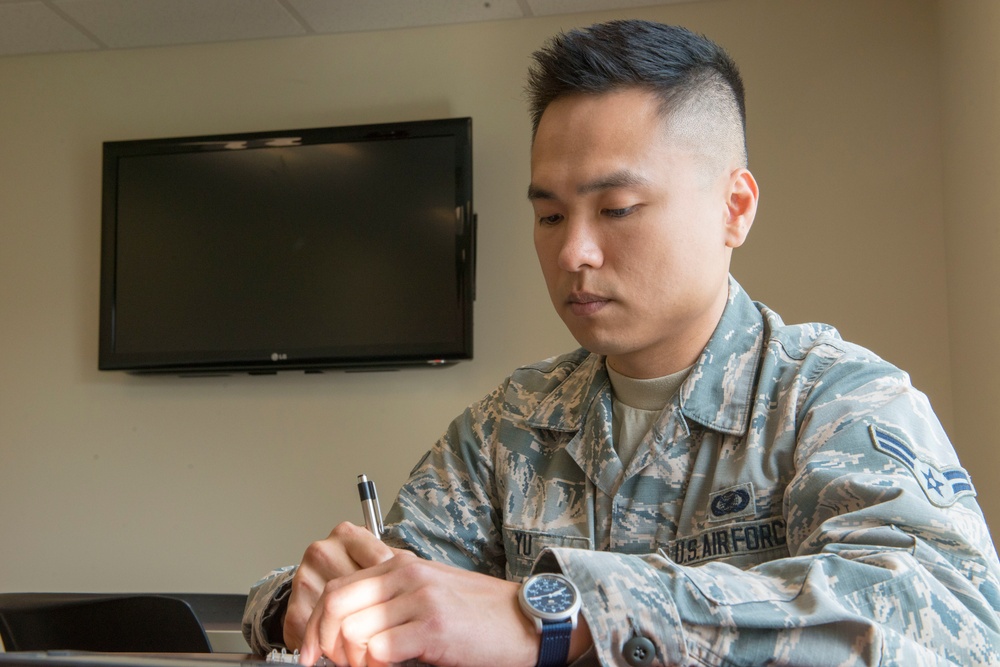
(278, 356)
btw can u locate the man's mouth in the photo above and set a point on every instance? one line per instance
(586, 303)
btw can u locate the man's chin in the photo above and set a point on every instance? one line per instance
(593, 341)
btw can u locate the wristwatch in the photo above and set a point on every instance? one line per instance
(553, 602)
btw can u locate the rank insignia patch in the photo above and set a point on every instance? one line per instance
(943, 486)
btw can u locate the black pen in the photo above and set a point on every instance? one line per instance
(369, 506)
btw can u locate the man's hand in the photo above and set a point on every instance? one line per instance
(405, 607)
(348, 549)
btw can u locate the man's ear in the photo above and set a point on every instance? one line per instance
(741, 207)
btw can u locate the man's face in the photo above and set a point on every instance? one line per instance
(634, 229)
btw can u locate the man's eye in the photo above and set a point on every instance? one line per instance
(550, 219)
(619, 212)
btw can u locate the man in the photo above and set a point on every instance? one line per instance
(716, 487)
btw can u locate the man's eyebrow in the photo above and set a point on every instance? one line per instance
(623, 178)
(535, 193)
(618, 179)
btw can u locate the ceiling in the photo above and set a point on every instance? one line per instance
(54, 26)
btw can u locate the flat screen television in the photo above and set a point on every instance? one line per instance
(338, 247)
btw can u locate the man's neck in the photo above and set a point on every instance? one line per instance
(680, 352)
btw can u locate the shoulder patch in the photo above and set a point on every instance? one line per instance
(942, 486)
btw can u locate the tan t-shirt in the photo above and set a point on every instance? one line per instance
(636, 405)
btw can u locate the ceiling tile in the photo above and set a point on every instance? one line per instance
(327, 16)
(132, 23)
(552, 7)
(41, 26)
(31, 27)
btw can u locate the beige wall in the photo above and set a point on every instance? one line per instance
(112, 482)
(970, 59)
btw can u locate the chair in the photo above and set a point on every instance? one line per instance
(97, 622)
(221, 614)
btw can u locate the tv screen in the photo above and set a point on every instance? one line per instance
(339, 247)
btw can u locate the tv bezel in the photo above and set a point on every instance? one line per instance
(231, 362)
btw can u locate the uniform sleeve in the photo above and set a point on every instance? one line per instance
(445, 512)
(448, 509)
(890, 560)
(264, 614)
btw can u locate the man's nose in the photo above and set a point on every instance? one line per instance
(581, 246)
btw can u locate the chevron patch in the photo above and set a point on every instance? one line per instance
(943, 486)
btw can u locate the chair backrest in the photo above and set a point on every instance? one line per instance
(106, 623)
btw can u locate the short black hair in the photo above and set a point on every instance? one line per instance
(678, 65)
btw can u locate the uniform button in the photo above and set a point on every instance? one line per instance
(639, 651)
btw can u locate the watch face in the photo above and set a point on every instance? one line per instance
(550, 594)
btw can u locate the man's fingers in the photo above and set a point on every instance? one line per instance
(341, 598)
(330, 558)
(346, 550)
(307, 587)
(380, 634)
(410, 608)
(362, 548)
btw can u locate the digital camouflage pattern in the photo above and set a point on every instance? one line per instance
(797, 503)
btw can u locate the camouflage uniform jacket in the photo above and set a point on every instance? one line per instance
(797, 503)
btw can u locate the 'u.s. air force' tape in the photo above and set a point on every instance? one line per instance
(943, 486)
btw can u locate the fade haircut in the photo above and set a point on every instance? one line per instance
(698, 84)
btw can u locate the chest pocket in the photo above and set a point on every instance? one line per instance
(523, 547)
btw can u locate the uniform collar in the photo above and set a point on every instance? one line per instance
(716, 394)
(565, 407)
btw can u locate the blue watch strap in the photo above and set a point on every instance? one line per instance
(555, 643)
